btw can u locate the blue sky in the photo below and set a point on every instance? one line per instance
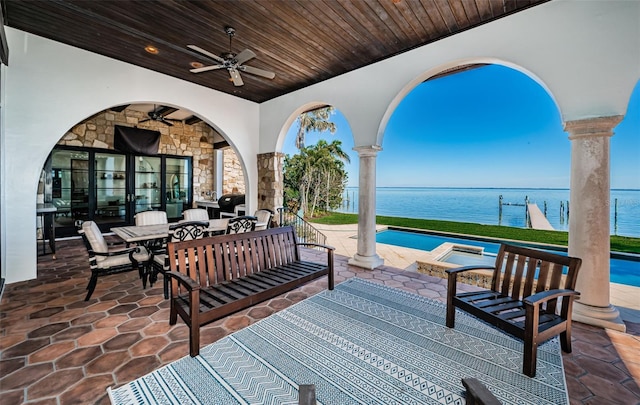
(488, 127)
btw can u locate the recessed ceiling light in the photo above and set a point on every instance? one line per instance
(196, 65)
(151, 49)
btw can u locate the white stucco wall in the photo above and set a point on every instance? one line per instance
(50, 87)
(585, 53)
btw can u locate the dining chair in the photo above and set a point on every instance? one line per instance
(178, 232)
(151, 218)
(106, 259)
(245, 223)
(196, 214)
(264, 217)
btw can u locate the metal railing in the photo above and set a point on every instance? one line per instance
(304, 230)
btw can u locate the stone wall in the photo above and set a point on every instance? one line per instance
(180, 139)
(233, 180)
(270, 181)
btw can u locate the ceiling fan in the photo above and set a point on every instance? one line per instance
(231, 61)
(160, 114)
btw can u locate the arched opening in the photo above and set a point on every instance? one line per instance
(101, 169)
(465, 136)
(331, 165)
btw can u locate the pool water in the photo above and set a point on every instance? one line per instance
(621, 271)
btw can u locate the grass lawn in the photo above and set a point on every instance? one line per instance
(618, 243)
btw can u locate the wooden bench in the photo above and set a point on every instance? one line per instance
(219, 275)
(530, 298)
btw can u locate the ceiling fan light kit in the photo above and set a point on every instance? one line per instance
(231, 61)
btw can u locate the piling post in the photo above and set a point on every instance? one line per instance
(615, 216)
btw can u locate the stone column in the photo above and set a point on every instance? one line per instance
(589, 221)
(366, 255)
(270, 181)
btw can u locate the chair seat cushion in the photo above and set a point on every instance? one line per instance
(121, 260)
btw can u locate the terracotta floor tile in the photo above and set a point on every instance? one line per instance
(25, 348)
(52, 352)
(96, 337)
(9, 366)
(149, 346)
(608, 390)
(78, 357)
(48, 330)
(123, 333)
(54, 383)
(25, 376)
(107, 362)
(88, 390)
(122, 341)
(135, 368)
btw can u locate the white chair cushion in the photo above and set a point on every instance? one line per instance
(113, 261)
(196, 214)
(95, 238)
(151, 218)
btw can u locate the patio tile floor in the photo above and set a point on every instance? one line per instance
(58, 349)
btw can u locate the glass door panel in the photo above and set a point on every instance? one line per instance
(177, 186)
(70, 188)
(111, 188)
(147, 183)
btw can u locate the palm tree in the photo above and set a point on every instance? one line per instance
(316, 120)
(316, 177)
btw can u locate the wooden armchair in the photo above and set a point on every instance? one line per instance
(105, 259)
(530, 298)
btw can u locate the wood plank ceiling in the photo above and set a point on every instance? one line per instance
(302, 41)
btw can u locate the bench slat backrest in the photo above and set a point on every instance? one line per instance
(217, 259)
(521, 272)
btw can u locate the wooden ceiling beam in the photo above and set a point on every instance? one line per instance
(192, 120)
(4, 46)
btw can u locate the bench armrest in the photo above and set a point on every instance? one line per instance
(189, 283)
(468, 268)
(329, 249)
(544, 296)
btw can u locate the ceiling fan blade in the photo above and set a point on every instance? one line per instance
(206, 68)
(244, 56)
(205, 52)
(235, 75)
(144, 120)
(166, 122)
(257, 71)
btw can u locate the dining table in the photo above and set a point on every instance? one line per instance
(145, 234)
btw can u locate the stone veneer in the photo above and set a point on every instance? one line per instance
(180, 139)
(270, 181)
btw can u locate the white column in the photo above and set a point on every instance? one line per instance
(218, 172)
(366, 255)
(589, 219)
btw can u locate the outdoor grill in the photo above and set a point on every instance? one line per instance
(228, 202)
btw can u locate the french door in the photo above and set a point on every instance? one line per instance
(110, 188)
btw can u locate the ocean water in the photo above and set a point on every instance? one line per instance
(481, 205)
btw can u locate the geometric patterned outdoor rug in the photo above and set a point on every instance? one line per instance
(362, 343)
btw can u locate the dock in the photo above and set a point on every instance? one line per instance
(537, 218)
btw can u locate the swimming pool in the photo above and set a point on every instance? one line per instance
(621, 271)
